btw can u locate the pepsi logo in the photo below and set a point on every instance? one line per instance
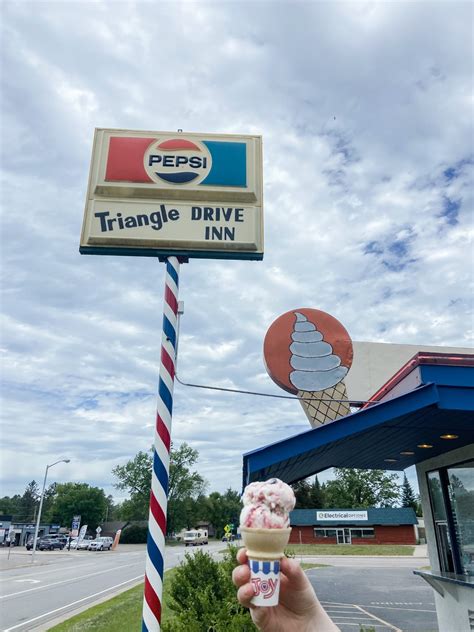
(177, 161)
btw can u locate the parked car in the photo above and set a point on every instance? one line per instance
(194, 538)
(229, 537)
(83, 545)
(49, 543)
(101, 544)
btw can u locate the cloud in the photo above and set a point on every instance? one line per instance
(365, 113)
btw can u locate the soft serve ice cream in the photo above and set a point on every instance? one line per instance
(316, 367)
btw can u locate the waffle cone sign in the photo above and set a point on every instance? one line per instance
(308, 353)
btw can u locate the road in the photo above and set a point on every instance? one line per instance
(378, 592)
(63, 582)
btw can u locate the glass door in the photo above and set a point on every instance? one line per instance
(344, 536)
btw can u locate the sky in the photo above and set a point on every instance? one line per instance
(365, 110)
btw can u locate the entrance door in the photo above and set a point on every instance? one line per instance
(343, 536)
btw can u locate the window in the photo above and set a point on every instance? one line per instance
(362, 533)
(461, 495)
(451, 492)
(324, 533)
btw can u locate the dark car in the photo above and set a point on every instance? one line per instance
(49, 543)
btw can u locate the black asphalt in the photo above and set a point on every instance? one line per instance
(375, 597)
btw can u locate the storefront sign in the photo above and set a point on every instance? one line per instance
(341, 515)
(162, 193)
(76, 521)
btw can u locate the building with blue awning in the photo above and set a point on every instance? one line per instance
(422, 416)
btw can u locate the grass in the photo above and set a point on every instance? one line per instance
(349, 549)
(122, 613)
(306, 566)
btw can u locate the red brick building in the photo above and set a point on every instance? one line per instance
(353, 526)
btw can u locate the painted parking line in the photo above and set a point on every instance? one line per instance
(349, 614)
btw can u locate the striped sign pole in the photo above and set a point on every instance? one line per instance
(152, 604)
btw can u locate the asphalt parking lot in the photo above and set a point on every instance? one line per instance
(383, 599)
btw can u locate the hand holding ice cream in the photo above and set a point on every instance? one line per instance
(265, 529)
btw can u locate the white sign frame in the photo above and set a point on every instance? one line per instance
(341, 516)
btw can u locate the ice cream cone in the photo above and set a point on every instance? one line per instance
(265, 544)
(319, 410)
(265, 548)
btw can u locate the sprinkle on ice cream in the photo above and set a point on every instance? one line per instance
(316, 367)
(267, 505)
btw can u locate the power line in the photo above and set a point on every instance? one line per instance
(353, 403)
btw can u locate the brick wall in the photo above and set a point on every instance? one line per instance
(403, 534)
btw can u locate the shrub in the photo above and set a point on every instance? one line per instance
(134, 534)
(203, 597)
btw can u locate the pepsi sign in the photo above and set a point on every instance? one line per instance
(178, 161)
(162, 193)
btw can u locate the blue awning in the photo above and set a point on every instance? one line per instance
(442, 404)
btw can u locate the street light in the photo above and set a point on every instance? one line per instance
(41, 504)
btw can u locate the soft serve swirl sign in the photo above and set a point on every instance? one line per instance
(316, 367)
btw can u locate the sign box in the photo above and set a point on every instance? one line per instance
(172, 193)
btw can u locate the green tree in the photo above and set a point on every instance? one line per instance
(309, 495)
(408, 498)
(222, 509)
(10, 505)
(302, 490)
(29, 502)
(359, 489)
(48, 502)
(79, 499)
(184, 486)
(317, 495)
(135, 478)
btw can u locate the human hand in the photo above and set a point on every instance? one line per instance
(298, 609)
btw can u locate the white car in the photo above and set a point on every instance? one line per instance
(83, 545)
(101, 544)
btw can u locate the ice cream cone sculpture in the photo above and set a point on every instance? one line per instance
(309, 353)
(317, 374)
(265, 529)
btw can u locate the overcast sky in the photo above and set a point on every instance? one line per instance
(365, 109)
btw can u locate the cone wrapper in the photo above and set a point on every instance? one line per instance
(323, 412)
(265, 548)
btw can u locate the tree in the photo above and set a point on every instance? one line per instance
(79, 499)
(302, 490)
(317, 494)
(408, 496)
(10, 505)
(309, 495)
(135, 478)
(184, 485)
(359, 489)
(29, 502)
(222, 509)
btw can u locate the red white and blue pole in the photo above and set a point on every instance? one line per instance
(152, 602)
